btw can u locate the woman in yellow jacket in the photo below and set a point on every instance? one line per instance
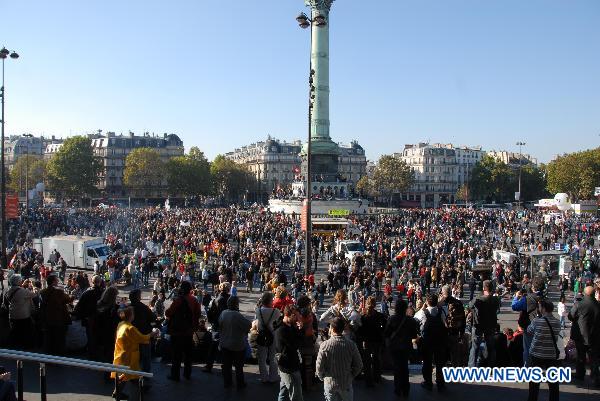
(127, 347)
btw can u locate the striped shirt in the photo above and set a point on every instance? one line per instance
(338, 362)
(542, 345)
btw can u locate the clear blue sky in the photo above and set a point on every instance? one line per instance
(225, 73)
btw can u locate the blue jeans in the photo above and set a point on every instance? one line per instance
(290, 386)
(338, 394)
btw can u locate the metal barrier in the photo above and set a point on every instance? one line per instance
(44, 359)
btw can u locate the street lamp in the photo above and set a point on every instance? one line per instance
(520, 145)
(4, 53)
(305, 22)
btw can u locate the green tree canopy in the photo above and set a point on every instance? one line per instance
(74, 171)
(28, 170)
(230, 180)
(391, 175)
(576, 174)
(493, 180)
(189, 175)
(144, 171)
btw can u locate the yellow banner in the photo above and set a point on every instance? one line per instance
(339, 212)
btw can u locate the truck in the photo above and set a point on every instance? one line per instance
(77, 251)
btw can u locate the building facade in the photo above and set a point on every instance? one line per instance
(113, 150)
(17, 145)
(277, 163)
(512, 159)
(440, 169)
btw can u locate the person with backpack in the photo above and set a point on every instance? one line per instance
(455, 320)
(544, 351)
(399, 333)
(485, 319)
(288, 339)
(267, 317)
(434, 344)
(215, 308)
(183, 319)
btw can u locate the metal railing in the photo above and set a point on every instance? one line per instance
(44, 359)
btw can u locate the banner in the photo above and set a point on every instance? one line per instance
(339, 212)
(12, 207)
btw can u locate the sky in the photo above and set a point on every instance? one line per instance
(223, 74)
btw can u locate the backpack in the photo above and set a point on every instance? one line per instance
(434, 329)
(213, 312)
(265, 336)
(181, 319)
(456, 320)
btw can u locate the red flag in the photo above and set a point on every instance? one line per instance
(402, 253)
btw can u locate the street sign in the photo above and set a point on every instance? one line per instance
(339, 212)
(517, 196)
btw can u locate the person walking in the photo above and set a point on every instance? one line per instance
(288, 339)
(183, 319)
(338, 363)
(234, 328)
(215, 308)
(544, 351)
(267, 316)
(399, 333)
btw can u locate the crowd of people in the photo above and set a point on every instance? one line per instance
(332, 322)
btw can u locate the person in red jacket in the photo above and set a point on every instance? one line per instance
(183, 319)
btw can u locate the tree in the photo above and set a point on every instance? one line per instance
(189, 175)
(492, 180)
(462, 193)
(391, 175)
(230, 180)
(576, 174)
(74, 171)
(144, 172)
(28, 170)
(363, 186)
(533, 182)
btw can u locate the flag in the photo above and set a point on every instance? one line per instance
(12, 261)
(402, 254)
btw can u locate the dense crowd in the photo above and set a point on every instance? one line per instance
(405, 294)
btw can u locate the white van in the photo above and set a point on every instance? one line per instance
(349, 248)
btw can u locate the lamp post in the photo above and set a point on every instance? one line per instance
(4, 54)
(304, 22)
(520, 145)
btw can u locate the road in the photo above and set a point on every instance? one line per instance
(70, 384)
